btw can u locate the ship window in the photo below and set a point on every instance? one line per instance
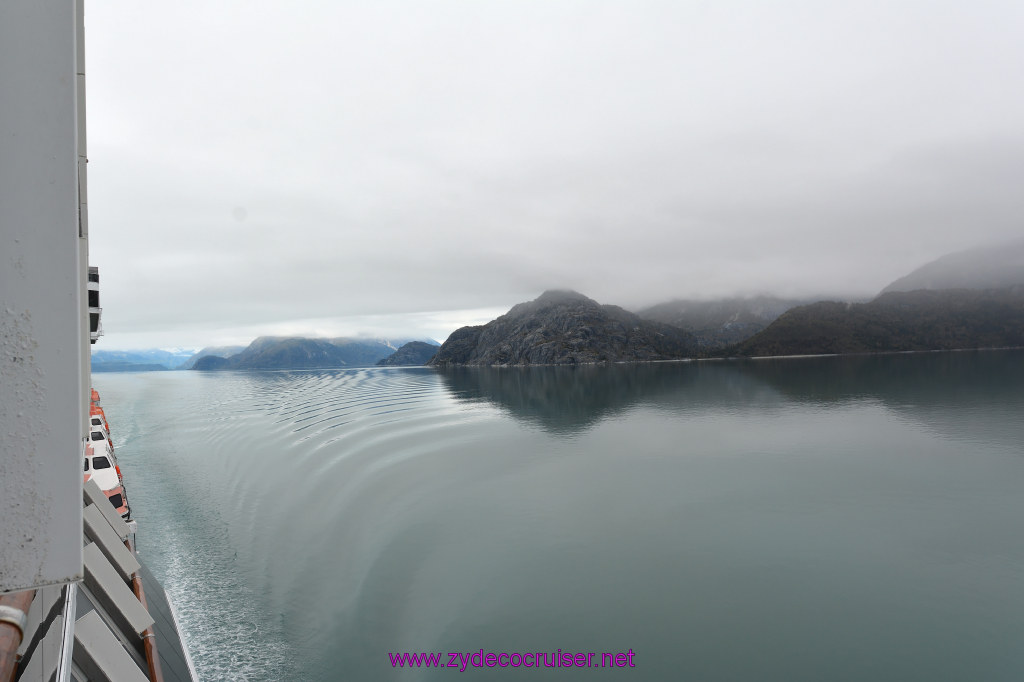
(94, 298)
(86, 464)
(97, 435)
(116, 500)
(96, 421)
(100, 463)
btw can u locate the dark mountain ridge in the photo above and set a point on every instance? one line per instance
(919, 320)
(968, 299)
(564, 328)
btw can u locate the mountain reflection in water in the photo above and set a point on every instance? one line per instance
(926, 387)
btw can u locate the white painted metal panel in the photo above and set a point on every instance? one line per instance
(41, 286)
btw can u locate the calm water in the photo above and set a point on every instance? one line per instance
(804, 519)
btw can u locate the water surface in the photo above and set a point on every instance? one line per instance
(802, 519)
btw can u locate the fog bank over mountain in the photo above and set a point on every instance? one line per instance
(984, 268)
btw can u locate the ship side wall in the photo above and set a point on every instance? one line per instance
(42, 282)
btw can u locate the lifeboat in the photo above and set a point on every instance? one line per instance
(97, 413)
(97, 422)
(100, 461)
(100, 438)
(103, 469)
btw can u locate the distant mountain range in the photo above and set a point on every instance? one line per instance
(971, 299)
(564, 328)
(274, 352)
(153, 359)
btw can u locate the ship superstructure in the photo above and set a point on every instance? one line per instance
(76, 602)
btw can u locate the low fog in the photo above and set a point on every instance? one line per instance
(404, 168)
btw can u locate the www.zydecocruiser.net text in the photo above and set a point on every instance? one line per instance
(463, 660)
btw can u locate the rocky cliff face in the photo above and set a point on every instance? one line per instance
(564, 328)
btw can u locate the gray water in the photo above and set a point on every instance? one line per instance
(801, 519)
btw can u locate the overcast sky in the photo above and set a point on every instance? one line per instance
(404, 168)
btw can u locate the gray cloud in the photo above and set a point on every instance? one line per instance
(363, 166)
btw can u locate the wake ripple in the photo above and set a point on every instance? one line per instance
(233, 475)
